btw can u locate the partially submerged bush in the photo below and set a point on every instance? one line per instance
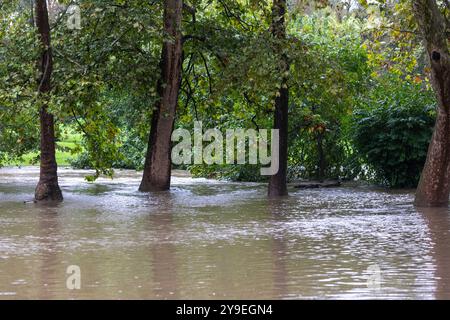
(392, 130)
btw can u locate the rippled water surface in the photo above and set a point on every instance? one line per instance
(217, 240)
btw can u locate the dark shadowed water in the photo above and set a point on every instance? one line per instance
(216, 240)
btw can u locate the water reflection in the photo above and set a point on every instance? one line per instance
(163, 252)
(438, 222)
(48, 233)
(279, 252)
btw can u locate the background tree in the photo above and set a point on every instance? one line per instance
(277, 183)
(157, 169)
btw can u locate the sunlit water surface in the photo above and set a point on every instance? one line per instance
(218, 240)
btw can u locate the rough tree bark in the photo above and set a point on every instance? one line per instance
(157, 167)
(277, 183)
(433, 188)
(48, 187)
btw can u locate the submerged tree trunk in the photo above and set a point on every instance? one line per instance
(433, 188)
(277, 183)
(157, 168)
(47, 188)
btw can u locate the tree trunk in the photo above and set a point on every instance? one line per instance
(47, 188)
(320, 157)
(433, 188)
(157, 167)
(277, 183)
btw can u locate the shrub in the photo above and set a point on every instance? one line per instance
(392, 130)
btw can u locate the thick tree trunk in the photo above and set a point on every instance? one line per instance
(433, 188)
(277, 183)
(157, 168)
(47, 188)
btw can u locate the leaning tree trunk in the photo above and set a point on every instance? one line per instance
(433, 188)
(157, 167)
(277, 183)
(47, 188)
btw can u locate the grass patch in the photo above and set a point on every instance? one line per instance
(68, 144)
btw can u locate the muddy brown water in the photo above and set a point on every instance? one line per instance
(206, 239)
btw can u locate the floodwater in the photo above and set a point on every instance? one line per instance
(218, 240)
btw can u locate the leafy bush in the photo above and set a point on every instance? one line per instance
(131, 156)
(392, 130)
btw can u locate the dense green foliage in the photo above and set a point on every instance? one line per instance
(359, 96)
(393, 127)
